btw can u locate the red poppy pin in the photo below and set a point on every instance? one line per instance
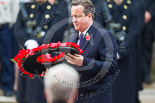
(87, 36)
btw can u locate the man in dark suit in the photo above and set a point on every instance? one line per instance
(97, 64)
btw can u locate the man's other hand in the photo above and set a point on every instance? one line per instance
(74, 59)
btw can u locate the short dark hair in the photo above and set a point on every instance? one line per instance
(87, 4)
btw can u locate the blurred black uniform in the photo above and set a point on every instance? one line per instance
(46, 16)
(148, 39)
(99, 12)
(126, 19)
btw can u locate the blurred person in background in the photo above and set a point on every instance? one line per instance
(139, 56)
(99, 14)
(127, 25)
(34, 20)
(65, 90)
(148, 38)
(8, 14)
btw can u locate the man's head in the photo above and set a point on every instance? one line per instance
(61, 83)
(82, 13)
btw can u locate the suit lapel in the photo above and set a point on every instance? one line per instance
(74, 38)
(85, 42)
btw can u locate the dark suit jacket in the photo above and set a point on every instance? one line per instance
(98, 66)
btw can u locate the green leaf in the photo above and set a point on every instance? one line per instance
(13, 61)
(87, 34)
(21, 46)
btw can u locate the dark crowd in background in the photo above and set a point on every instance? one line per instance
(30, 23)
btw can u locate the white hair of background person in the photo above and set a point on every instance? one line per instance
(55, 88)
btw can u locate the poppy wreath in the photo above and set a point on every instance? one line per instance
(43, 57)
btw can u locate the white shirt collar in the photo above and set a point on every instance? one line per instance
(84, 33)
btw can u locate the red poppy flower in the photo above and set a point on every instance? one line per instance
(48, 56)
(63, 44)
(39, 48)
(45, 46)
(35, 49)
(27, 51)
(22, 51)
(54, 58)
(19, 64)
(26, 72)
(39, 75)
(80, 51)
(88, 37)
(31, 53)
(62, 54)
(76, 46)
(30, 75)
(21, 69)
(16, 58)
(54, 45)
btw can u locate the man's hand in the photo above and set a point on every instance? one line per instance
(148, 17)
(74, 59)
